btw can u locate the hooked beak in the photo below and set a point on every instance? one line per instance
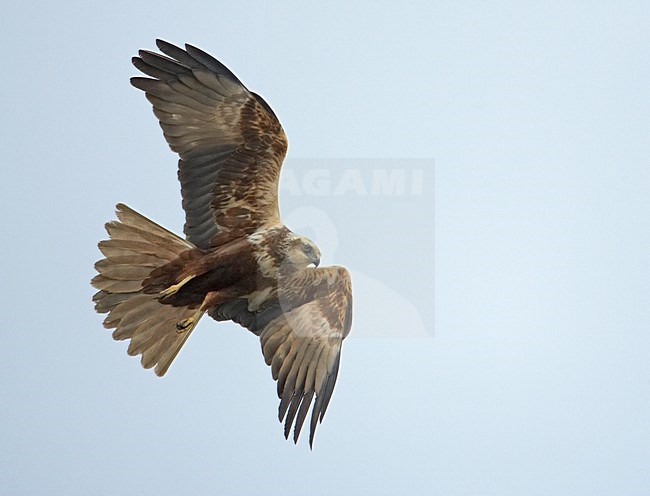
(315, 259)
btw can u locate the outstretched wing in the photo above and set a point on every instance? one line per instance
(301, 331)
(231, 144)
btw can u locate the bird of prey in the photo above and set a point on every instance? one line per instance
(238, 261)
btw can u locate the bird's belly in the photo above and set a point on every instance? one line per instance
(229, 280)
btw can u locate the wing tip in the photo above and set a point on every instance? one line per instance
(162, 44)
(142, 83)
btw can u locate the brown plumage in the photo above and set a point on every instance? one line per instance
(239, 262)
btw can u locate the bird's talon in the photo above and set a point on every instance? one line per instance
(184, 325)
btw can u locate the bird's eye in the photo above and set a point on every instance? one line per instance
(308, 249)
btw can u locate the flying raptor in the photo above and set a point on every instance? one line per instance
(238, 261)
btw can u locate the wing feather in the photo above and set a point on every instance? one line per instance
(303, 344)
(302, 414)
(230, 143)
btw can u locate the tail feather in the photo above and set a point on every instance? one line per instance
(119, 312)
(115, 285)
(105, 302)
(123, 270)
(119, 247)
(136, 247)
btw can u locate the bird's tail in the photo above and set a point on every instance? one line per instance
(136, 247)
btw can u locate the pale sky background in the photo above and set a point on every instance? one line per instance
(532, 375)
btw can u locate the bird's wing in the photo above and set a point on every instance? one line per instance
(230, 143)
(301, 333)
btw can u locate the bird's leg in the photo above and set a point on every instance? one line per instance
(212, 299)
(215, 298)
(187, 325)
(172, 290)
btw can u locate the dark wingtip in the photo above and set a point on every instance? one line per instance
(135, 82)
(160, 43)
(312, 431)
(142, 83)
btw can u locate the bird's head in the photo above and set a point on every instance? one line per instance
(302, 252)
